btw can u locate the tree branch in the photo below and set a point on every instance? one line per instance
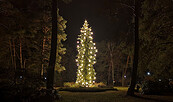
(4, 25)
(128, 6)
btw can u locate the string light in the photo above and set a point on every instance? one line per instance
(86, 57)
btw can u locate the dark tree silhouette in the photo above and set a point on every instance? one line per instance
(131, 89)
(51, 67)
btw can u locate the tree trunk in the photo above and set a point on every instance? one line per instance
(14, 55)
(131, 89)
(42, 66)
(109, 75)
(117, 75)
(51, 67)
(24, 63)
(11, 51)
(112, 64)
(21, 62)
(124, 71)
(14, 59)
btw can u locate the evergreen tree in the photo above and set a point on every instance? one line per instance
(62, 36)
(61, 50)
(86, 57)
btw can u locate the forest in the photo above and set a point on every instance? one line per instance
(134, 39)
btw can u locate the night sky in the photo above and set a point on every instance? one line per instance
(102, 24)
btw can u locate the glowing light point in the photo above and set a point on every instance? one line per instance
(86, 57)
(21, 77)
(148, 73)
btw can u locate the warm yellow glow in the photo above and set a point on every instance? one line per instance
(86, 57)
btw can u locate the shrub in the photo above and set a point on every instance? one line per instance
(101, 84)
(81, 89)
(156, 87)
(70, 84)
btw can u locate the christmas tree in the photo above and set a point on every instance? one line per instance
(86, 57)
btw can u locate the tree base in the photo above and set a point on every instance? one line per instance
(130, 92)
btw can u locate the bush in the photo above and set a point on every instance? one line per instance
(101, 84)
(81, 89)
(70, 84)
(156, 87)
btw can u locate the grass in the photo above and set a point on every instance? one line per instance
(110, 96)
(122, 88)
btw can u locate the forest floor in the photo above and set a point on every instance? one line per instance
(111, 96)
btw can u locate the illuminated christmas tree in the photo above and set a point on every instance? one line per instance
(86, 57)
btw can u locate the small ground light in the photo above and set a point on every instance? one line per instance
(160, 80)
(21, 77)
(45, 78)
(125, 76)
(148, 73)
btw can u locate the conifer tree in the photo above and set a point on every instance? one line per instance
(86, 57)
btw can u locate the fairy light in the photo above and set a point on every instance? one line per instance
(86, 57)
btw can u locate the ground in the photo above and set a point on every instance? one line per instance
(111, 96)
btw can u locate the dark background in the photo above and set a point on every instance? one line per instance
(96, 12)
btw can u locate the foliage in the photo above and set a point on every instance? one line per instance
(69, 84)
(69, 75)
(62, 36)
(101, 84)
(72, 84)
(121, 51)
(156, 87)
(25, 30)
(156, 38)
(21, 38)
